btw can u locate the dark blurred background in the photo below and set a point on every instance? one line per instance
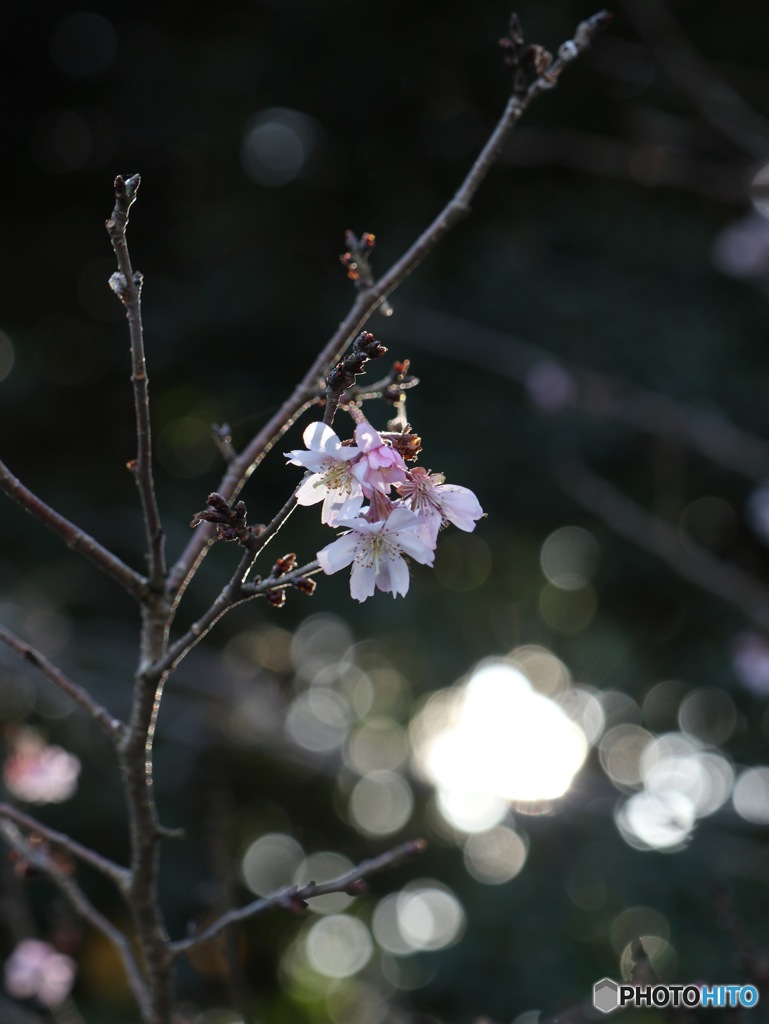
(592, 349)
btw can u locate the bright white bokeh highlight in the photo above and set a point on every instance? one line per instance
(681, 784)
(424, 916)
(495, 741)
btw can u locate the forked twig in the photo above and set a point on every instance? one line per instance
(369, 300)
(296, 896)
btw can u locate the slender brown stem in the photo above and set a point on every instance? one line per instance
(136, 764)
(127, 285)
(77, 898)
(72, 535)
(136, 749)
(112, 726)
(370, 299)
(235, 592)
(295, 896)
(118, 874)
(281, 582)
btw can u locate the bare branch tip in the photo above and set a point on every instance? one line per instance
(126, 188)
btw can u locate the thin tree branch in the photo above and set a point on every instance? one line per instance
(234, 592)
(644, 162)
(681, 62)
(370, 299)
(127, 285)
(112, 726)
(280, 582)
(595, 394)
(119, 875)
(295, 896)
(239, 470)
(136, 752)
(80, 902)
(73, 536)
(625, 517)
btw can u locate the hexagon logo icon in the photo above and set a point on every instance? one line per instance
(606, 995)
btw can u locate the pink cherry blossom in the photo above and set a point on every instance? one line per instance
(332, 480)
(379, 466)
(36, 969)
(438, 503)
(376, 552)
(38, 772)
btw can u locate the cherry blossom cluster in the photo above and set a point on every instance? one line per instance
(388, 511)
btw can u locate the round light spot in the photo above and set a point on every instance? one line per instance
(709, 715)
(83, 44)
(386, 927)
(318, 720)
(379, 743)
(496, 737)
(338, 946)
(277, 143)
(659, 951)
(324, 867)
(495, 856)
(621, 750)
(751, 795)
(656, 821)
(430, 917)
(320, 641)
(269, 864)
(381, 803)
(569, 557)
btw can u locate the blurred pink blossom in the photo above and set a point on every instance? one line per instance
(37, 772)
(741, 249)
(37, 969)
(550, 387)
(750, 657)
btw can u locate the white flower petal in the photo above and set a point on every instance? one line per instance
(393, 576)
(310, 491)
(414, 545)
(402, 518)
(340, 505)
(367, 437)
(319, 437)
(338, 554)
(460, 506)
(362, 581)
